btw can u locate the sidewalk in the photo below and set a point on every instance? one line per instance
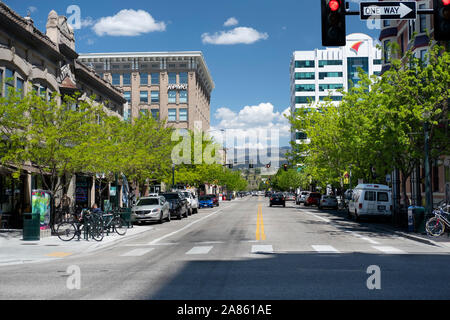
(14, 250)
(442, 241)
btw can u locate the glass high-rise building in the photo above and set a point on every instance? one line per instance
(319, 73)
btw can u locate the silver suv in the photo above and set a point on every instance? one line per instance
(150, 209)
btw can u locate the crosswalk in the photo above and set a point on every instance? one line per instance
(253, 248)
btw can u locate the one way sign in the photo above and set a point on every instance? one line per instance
(388, 10)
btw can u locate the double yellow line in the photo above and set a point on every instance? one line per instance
(260, 235)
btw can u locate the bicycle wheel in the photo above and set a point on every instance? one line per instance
(96, 228)
(435, 227)
(66, 231)
(120, 226)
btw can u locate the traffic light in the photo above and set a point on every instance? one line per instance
(268, 165)
(230, 165)
(250, 166)
(285, 167)
(441, 20)
(333, 22)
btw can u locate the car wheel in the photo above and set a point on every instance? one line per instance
(168, 217)
(270, 204)
(179, 215)
(284, 205)
(319, 207)
(160, 218)
(357, 218)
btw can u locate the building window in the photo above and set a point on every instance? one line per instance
(183, 77)
(377, 61)
(386, 23)
(171, 65)
(386, 51)
(172, 78)
(183, 96)
(422, 20)
(183, 114)
(144, 97)
(126, 79)
(323, 75)
(43, 92)
(323, 87)
(144, 78)
(332, 98)
(309, 99)
(115, 79)
(155, 114)
(155, 96)
(19, 86)
(9, 81)
(155, 78)
(300, 136)
(305, 87)
(127, 96)
(143, 113)
(422, 54)
(323, 63)
(305, 76)
(172, 96)
(305, 64)
(172, 115)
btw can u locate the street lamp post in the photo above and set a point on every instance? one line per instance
(173, 175)
(428, 195)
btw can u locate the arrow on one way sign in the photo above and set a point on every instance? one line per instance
(388, 10)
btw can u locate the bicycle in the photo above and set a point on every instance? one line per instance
(89, 223)
(435, 226)
(114, 221)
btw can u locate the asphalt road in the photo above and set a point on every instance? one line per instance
(244, 249)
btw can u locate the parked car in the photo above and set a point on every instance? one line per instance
(205, 202)
(177, 204)
(192, 199)
(151, 209)
(301, 198)
(313, 198)
(254, 194)
(214, 198)
(370, 200)
(268, 193)
(328, 202)
(277, 199)
(290, 197)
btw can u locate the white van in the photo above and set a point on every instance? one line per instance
(370, 200)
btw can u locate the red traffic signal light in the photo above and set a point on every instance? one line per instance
(442, 20)
(334, 5)
(285, 167)
(333, 22)
(268, 165)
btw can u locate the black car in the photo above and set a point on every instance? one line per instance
(278, 199)
(268, 194)
(177, 204)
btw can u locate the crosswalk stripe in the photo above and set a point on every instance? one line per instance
(136, 252)
(325, 249)
(262, 249)
(200, 250)
(387, 249)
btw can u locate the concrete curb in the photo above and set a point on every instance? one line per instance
(411, 236)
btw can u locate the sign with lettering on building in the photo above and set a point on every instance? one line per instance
(182, 86)
(406, 10)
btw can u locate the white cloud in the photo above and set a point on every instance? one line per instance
(231, 22)
(87, 22)
(253, 119)
(237, 35)
(32, 9)
(128, 22)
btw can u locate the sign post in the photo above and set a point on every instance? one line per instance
(406, 10)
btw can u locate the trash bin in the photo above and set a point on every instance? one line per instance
(419, 219)
(31, 226)
(125, 214)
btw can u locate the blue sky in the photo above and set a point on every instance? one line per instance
(251, 76)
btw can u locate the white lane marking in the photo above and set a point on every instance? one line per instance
(318, 217)
(389, 250)
(136, 252)
(200, 250)
(209, 242)
(362, 237)
(146, 244)
(325, 249)
(262, 249)
(185, 227)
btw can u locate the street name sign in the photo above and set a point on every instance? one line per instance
(388, 10)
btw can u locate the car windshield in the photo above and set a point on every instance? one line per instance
(204, 198)
(315, 195)
(148, 202)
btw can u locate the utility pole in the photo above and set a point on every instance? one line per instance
(428, 195)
